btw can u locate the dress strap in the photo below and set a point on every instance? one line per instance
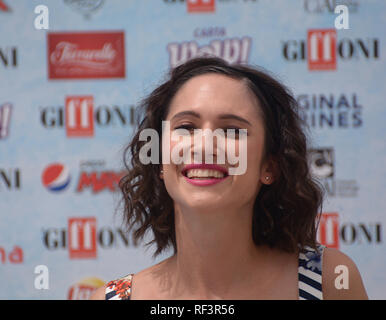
(119, 289)
(310, 273)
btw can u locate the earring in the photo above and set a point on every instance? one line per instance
(266, 178)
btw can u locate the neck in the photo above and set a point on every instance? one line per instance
(215, 250)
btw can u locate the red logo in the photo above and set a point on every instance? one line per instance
(15, 256)
(79, 116)
(200, 5)
(321, 46)
(82, 238)
(83, 289)
(3, 6)
(99, 181)
(328, 231)
(86, 55)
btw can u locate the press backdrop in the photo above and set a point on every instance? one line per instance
(67, 107)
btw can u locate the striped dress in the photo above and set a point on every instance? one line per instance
(309, 278)
(310, 274)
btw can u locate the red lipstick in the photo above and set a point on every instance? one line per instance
(204, 182)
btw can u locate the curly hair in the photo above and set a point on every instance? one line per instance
(284, 214)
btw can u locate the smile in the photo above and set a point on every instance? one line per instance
(204, 174)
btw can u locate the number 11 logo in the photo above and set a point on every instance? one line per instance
(321, 49)
(79, 116)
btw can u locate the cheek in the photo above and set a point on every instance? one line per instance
(171, 171)
(249, 183)
(175, 150)
(170, 181)
(253, 161)
(254, 149)
(245, 187)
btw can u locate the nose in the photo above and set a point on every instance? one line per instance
(208, 146)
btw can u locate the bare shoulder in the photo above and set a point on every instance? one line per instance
(99, 294)
(141, 283)
(341, 277)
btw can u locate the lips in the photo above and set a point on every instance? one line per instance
(204, 174)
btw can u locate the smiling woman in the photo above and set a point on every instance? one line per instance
(235, 236)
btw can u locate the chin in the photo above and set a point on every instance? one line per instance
(204, 202)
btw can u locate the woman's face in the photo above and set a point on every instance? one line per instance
(213, 101)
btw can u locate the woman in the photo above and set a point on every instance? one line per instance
(241, 236)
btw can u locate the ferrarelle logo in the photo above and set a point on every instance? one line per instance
(86, 55)
(69, 53)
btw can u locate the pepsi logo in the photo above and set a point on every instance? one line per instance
(56, 177)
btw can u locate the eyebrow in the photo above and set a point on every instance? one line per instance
(221, 116)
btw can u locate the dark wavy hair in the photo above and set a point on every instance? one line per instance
(285, 213)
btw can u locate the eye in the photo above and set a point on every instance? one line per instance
(188, 127)
(234, 130)
(185, 126)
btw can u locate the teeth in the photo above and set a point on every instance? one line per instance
(204, 173)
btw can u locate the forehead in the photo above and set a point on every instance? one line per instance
(213, 93)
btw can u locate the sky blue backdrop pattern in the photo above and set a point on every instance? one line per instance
(149, 26)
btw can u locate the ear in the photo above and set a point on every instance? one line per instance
(161, 173)
(269, 171)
